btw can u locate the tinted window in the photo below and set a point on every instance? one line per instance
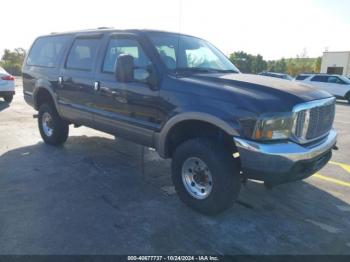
(320, 79)
(117, 47)
(82, 54)
(335, 80)
(301, 77)
(46, 51)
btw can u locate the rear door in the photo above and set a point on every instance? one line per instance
(77, 79)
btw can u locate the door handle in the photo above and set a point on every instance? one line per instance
(96, 85)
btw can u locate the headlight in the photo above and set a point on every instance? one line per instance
(275, 127)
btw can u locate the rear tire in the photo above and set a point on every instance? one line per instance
(220, 182)
(8, 98)
(53, 129)
(347, 97)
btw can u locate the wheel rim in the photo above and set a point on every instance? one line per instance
(47, 124)
(197, 178)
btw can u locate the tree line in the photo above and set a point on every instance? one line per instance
(252, 64)
(12, 61)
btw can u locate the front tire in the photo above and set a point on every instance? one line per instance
(8, 98)
(53, 129)
(206, 176)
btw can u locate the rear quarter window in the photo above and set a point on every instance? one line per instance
(46, 51)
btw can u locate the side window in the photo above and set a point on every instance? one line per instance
(168, 55)
(301, 77)
(117, 47)
(82, 54)
(323, 79)
(335, 80)
(46, 51)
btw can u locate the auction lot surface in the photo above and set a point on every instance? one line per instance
(94, 196)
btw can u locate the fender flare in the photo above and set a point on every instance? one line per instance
(161, 138)
(39, 85)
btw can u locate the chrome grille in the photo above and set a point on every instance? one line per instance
(314, 119)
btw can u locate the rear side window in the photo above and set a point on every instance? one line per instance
(46, 51)
(119, 46)
(323, 79)
(301, 77)
(82, 54)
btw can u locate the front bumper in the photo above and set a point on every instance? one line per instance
(282, 162)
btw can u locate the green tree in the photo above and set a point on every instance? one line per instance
(248, 63)
(12, 61)
(242, 60)
(318, 63)
(258, 64)
(281, 66)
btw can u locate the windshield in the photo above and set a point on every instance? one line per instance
(190, 53)
(346, 80)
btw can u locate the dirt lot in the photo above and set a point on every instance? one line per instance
(94, 196)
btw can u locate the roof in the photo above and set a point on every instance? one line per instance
(111, 29)
(317, 74)
(274, 73)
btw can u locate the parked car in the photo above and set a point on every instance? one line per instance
(276, 75)
(301, 77)
(183, 97)
(7, 86)
(337, 85)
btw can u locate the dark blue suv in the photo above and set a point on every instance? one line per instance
(183, 97)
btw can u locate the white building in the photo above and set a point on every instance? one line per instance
(336, 63)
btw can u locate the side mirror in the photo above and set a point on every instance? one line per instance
(125, 68)
(127, 72)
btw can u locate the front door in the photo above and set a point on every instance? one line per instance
(129, 110)
(336, 86)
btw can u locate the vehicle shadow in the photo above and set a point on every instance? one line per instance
(3, 105)
(96, 195)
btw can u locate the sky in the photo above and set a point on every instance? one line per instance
(272, 28)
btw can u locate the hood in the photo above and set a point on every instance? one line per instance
(261, 94)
